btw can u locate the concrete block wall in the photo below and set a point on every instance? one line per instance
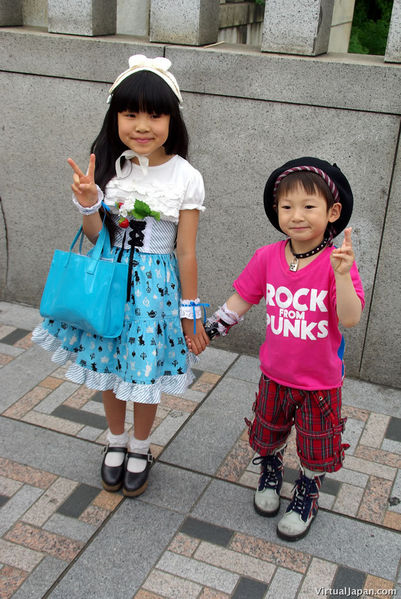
(247, 112)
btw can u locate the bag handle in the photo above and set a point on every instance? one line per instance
(80, 233)
(102, 243)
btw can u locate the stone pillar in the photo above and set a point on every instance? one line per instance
(191, 22)
(393, 48)
(34, 13)
(297, 26)
(133, 17)
(10, 13)
(82, 17)
(341, 25)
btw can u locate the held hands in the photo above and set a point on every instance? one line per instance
(84, 186)
(219, 324)
(198, 342)
(342, 258)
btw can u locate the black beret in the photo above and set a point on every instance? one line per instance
(334, 175)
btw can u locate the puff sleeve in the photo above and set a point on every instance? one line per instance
(194, 195)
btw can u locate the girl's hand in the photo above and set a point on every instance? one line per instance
(343, 258)
(196, 343)
(189, 343)
(84, 186)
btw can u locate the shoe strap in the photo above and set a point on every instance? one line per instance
(141, 456)
(108, 449)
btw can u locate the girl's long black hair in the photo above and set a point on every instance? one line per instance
(140, 92)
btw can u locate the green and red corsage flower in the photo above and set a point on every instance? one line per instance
(134, 209)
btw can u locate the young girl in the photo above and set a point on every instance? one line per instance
(139, 180)
(309, 287)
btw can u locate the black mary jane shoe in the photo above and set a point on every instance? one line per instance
(112, 476)
(135, 483)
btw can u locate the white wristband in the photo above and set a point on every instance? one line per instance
(189, 307)
(87, 210)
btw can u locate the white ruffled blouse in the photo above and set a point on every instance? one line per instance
(166, 188)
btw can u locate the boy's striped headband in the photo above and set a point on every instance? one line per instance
(159, 66)
(330, 183)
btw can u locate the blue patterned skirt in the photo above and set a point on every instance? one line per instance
(149, 357)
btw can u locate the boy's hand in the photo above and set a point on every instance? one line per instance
(84, 186)
(221, 322)
(342, 258)
(198, 342)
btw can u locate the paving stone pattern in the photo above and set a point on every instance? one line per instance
(58, 528)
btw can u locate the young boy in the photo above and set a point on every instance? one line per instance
(309, 288)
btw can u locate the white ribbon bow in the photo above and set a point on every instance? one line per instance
(128, 154)
(139, 60)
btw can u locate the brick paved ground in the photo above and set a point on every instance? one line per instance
(194, 533)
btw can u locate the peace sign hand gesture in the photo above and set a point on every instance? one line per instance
(342, 258)
(84, 186)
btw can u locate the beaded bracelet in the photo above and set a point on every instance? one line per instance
(191, 309)
(87, 210)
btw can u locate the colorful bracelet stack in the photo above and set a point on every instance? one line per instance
(221, 322)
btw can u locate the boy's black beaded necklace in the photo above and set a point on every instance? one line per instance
(316, 250)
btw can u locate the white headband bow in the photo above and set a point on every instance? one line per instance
(159, 66)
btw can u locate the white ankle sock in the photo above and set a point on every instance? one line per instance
(116, 458)
(137, 446)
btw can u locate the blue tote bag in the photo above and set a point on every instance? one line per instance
(87, 291)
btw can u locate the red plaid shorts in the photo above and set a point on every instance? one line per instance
(317, 419)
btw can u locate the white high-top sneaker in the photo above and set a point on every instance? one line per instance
(266, 500)
(303, 508)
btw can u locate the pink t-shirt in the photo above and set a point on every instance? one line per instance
(303, 347)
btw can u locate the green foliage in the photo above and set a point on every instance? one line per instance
(370, 26)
